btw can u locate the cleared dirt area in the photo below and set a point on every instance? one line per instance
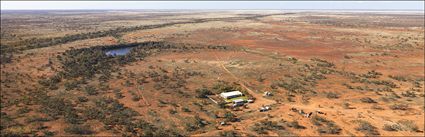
(328, 73)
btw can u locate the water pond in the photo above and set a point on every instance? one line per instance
(118, 51)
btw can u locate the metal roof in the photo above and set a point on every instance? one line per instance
(231, 93)
(238, 100)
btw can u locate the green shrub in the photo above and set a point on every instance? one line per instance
(195, 124)
(90, 90)
(186, 109)
(72, 117)
(323, 63)
(367, 128)
(409, 125)
(392, 127)
(83, 99)
(93, 113)
(118, 94)
(372, 74)
(31, 119)
(409, 93)
(71, 85)
(368, 100)
(223, 86)
(229, 116)
(135, 97)
(398, 78)
(150, 130)
(48, 133)
(79, 129)
(295, 124)
(203, 92)
(399, 107)
(229, 134)
(23, 110)
(54, 106)
(332, 95)
(172, 111)
(263, 126)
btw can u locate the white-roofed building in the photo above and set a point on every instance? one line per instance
(239, 101)
(231, 94)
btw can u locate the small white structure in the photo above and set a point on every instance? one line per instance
(231, 94)
(267, 93)
(238, 102)
(264, 109)
(223, 123)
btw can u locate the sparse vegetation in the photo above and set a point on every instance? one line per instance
(367, 128)
(79, 129)
(264, 126)
(229, 134)
(409, 125)
(63, 73)
(399, 107)
(392, 127)
(325, 126)
(332, 95)
(368, 100)
(296, 125)
(203, 92)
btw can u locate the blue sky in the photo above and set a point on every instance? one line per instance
(376, 5)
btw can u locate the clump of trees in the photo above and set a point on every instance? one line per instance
(224, 86)
(110, 112)
(195, 124)
(87, 63)
(203, 92)
(56, 107)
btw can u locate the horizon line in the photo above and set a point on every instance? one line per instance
(220, 9)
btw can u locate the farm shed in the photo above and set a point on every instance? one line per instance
(231, 94)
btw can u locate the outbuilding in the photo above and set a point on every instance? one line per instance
(238, 102)
(231, 94)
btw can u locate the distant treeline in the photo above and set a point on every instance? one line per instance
(46, 42)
